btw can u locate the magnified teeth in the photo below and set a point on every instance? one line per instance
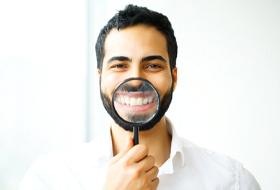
(139, 101)
(133, 102)
(127, 101)
(145, 101)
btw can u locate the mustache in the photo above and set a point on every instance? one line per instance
(141, 88)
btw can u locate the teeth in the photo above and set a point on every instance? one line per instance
(134, 101)
(145, 101)
(126, 101)
(139, 101)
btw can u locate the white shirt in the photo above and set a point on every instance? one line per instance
(189, 167)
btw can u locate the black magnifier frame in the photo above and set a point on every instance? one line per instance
(136, 125)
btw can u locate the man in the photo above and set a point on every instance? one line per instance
(138, 42)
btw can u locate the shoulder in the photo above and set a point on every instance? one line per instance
(218, 166)
(80, 155)
(205, 156)
(73, 167)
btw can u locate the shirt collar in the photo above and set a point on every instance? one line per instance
(103, 143)
(108, 150)
(176, 143)
(176, 154)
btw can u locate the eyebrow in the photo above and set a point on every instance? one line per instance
(153, 57)
(119, 58)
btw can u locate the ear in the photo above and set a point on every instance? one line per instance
(174, 78)
(99, 75)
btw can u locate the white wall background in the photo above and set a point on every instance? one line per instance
(228, 93)
(42, 82)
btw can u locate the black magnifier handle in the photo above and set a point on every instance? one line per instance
(135, 135)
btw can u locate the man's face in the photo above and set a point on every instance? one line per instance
(136, 51)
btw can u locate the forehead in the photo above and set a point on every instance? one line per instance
(135, 42)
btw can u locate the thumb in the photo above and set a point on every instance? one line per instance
(128, 145)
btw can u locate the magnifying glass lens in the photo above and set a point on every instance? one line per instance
(136, 101)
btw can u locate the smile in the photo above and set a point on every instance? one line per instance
(135, 98)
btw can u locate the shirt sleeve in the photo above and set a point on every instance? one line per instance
(50, 172)
(32, 180)
(246, 181)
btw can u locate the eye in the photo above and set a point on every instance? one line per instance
(118, 67)
(154, 67)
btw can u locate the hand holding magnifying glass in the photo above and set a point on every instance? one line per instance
(136, 102)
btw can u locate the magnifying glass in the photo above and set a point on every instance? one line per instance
(136, 102)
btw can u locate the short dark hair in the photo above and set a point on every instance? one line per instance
(133, 15)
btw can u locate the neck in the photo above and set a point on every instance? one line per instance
(157, 139)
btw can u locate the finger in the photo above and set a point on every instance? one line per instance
(147, 163)
(137, 153)
(153, 173)
(154, 183)
(128, 145)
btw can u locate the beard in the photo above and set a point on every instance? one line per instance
(165, 103)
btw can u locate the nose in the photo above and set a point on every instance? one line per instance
(136, 72)
(135, 83)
